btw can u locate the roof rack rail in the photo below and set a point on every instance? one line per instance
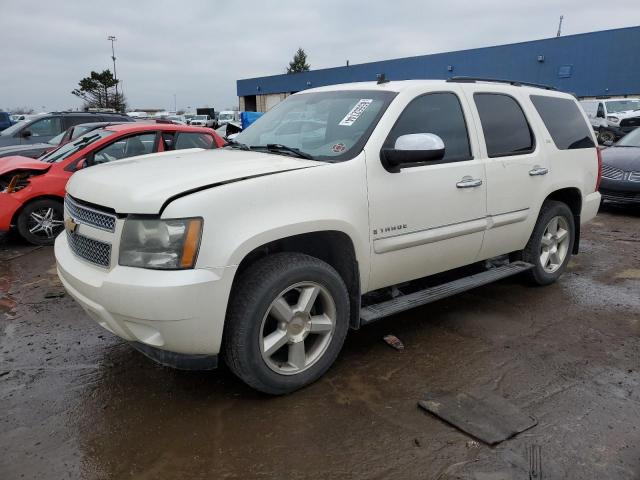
(515, 83)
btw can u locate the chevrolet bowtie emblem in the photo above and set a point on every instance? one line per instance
(70, 225)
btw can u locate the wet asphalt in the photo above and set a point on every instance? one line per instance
(77, 402)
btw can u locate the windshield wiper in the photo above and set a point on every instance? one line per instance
(277, 147)
(234, 144)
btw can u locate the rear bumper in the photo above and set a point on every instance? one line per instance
(590, 206)
(9, 205)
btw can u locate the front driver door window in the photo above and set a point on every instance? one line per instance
(126, 147)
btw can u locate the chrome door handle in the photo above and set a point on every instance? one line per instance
(469, 182)
(538, 170)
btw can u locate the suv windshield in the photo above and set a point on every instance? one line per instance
(332, 126)
(68, 149)
(614, 106)
(200, 117)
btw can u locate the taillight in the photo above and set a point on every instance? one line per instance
(599, 169)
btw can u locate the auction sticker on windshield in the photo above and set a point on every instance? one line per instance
(356, 111)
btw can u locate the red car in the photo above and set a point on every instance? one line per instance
(32, 191)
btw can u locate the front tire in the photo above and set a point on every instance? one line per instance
(41, 221)
(551, 243)
(287, 320)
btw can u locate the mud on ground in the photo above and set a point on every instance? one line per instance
(77, 402)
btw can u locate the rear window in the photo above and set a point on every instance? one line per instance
(505, 128)
(565, 123)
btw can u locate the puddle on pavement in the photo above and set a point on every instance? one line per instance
(629, 274)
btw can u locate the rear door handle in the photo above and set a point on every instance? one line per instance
(538, 170)
(469, 182)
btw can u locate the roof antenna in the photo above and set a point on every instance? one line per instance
(560, 26)
(382, 78)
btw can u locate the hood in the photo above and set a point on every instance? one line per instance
(26, 150)
(143, 184)
(624, 158)
(10, 164)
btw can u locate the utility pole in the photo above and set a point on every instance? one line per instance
(112, 39)
(174, 104)
(560, 26)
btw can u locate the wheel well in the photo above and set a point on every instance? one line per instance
(14, 220)
(333, 247)
(573, 199)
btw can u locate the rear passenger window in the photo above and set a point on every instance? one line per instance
(438, 113)
(506, 131)
(193, 140)
(565, 123)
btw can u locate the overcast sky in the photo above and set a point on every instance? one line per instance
(198, 49)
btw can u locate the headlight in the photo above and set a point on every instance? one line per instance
(613, 119)
(160, 244)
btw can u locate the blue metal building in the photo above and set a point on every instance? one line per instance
(604, 63)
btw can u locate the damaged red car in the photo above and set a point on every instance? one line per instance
(32, 191)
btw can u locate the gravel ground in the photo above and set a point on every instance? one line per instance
(77, 402)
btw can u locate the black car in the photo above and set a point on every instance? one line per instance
(621, 170)
(43, 128)
(34, 150)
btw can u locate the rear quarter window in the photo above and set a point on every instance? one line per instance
(564, 121)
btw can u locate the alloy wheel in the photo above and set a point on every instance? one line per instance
(44, 223)
(554, 245)
(297, 328)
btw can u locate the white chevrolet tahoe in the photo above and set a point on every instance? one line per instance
(266, 252)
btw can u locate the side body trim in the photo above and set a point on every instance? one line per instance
(437, 234)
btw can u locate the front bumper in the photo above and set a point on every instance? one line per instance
(620, 191)
(179, 311)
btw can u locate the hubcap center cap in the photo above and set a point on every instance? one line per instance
(298, 326)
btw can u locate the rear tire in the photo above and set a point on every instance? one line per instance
(41, 221)
(551, 244)
(287, 320)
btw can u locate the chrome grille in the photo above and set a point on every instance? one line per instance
(612, 172)
(93, 251)
(634, 176)
(89, 216)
